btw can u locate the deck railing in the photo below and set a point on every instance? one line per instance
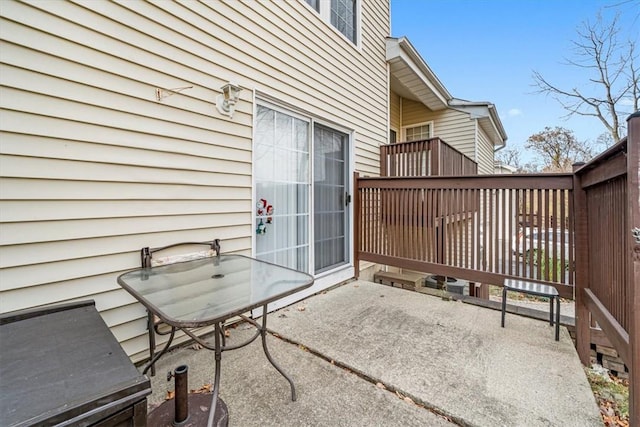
(481, 228)
(430, 157)
(608, 248)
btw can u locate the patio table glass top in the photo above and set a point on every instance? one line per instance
(210, 290)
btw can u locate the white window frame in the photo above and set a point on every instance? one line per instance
(415, 125)
(325, 15)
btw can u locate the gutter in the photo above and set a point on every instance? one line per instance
(492, 114)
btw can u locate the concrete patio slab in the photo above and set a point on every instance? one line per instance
(448, 356)
(257, 395)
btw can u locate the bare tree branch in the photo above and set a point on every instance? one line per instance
(615, 80)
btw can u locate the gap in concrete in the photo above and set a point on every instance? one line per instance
(401, 394)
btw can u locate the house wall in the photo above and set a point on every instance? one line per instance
(485, 153)
(93, 167)
(394, 113)
(454, 127)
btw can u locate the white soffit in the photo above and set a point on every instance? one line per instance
(412, 78)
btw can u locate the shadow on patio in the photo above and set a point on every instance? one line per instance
(341, 346)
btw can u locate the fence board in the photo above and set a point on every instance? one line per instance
(429, 157)
(471, 223)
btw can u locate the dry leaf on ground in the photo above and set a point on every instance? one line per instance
(204, 389)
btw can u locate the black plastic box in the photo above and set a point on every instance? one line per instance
(61, 365)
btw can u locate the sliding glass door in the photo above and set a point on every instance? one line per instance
(330, 196)
(296, 204)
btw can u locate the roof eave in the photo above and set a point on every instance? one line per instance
(487, 114)
(402, 56)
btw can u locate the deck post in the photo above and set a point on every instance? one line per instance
(633, 266)
(357, 224)
(581, 241)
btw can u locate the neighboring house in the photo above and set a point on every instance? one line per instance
(500, 168)
(111, 139)
(421, 108)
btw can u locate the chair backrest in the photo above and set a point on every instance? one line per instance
(147, 254)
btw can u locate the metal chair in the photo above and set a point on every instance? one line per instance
(147, 260)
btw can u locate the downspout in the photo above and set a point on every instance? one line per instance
(495, 150)
(398, 139)
(504, 141)
(389, 101)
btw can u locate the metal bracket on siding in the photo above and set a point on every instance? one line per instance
(165, 93)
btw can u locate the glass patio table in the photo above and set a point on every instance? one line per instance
(209, 291)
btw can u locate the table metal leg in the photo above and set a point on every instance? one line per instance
(152, 341)
(152, 362)
(216, 382)
(504, 303)
(551, 300)
(557, 318)
(263, 332)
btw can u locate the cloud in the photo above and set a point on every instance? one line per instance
(514, 112)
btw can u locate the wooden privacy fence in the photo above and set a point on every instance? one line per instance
(430, 157)
(608, 254)
(486, 228)
(481, 228)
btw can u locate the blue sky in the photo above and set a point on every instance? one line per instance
(487, 50)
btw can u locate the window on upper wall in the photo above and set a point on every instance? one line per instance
(341, 14)
(419, 132)
(314, 4)
(344, 18)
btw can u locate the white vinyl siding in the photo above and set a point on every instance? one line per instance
(394, 111)
(93, 167)
(454, 127)
(486, 154)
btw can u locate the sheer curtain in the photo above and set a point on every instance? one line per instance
(282, 176)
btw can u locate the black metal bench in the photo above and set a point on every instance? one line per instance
(538, 289)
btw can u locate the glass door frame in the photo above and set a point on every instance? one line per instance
(346, 150)
(341, 272)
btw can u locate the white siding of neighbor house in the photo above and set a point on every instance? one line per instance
(93, 167)
(485, 153)
(394, 113)
(454, 127)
